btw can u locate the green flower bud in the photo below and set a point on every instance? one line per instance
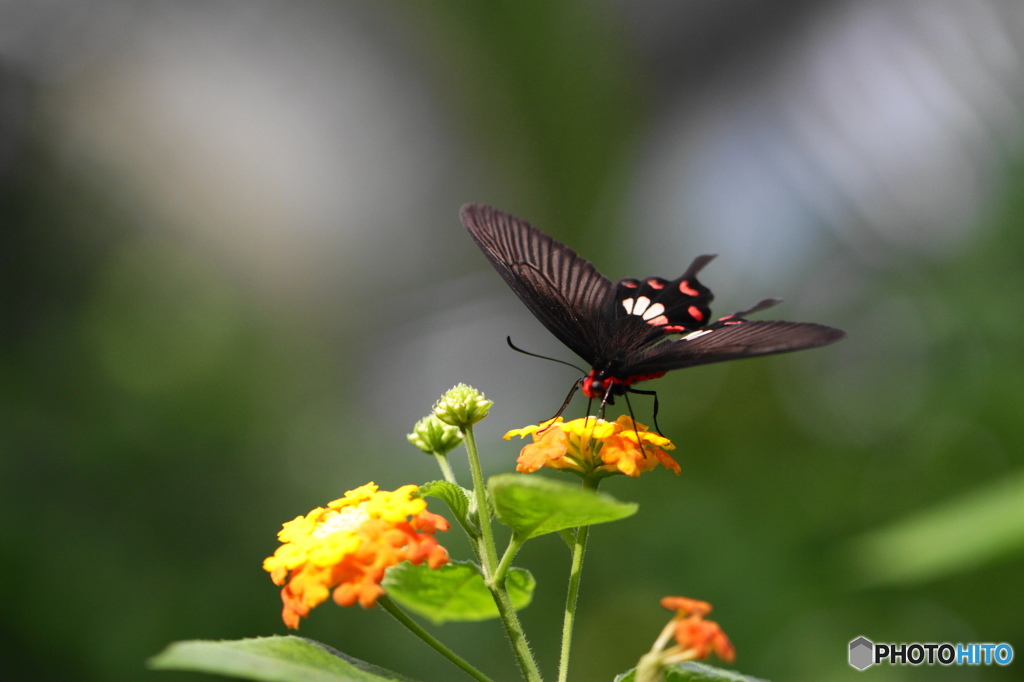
(434, 437)
(462, 405)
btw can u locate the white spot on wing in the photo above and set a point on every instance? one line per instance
(654, 311)
(693, 335)
(627, 303)
(641, 305)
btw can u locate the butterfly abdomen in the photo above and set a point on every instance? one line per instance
(597, 383)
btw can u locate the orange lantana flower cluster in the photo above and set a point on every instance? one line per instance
(345, 548)
(695, 637)
(591, 445)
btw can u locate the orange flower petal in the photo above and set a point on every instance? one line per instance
(686, 606)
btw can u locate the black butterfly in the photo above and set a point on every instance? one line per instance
(626, 331)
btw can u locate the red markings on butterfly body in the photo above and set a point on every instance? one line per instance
(596, 386)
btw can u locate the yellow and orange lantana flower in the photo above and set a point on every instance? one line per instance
(342, 550)
(589, 445)
(695, 637)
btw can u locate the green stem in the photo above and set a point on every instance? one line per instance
(575, 573)
(446, 468)
(488, 553)
(649, 668)
(489, 564)
(506, 560)
(432, 641)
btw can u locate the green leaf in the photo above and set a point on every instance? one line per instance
(691, 671)
(454, 592)
(533, 506)
(458, 499)
(271, 659)
(953, 537)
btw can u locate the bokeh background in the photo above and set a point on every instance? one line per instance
(232, 277)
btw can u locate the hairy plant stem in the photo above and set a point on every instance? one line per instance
(446, 468)
(488, 555)
(575, 573)
(414, 627)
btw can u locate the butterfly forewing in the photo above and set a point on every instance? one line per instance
(564, 291)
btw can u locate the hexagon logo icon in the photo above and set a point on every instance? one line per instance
(862, 652)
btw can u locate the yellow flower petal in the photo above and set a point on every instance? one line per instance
(532, 429)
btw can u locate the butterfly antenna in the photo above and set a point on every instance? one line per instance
(565, 403)
(654, 416)
(508, 340)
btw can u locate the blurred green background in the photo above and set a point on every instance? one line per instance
(233, 277)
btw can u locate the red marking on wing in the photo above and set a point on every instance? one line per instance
(655, 284)
(629, 283)
(673, 328)
(685, 288)
(696, 313)
(658, 321)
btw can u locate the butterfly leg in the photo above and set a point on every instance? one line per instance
(565, 403)
(654, 416)
(629, 406)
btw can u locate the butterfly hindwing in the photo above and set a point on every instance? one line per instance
(674, 307)
(564, 291)
(732, 341)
